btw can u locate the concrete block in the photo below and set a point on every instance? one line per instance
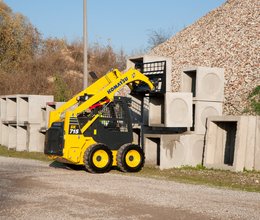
(178, 109)
(45, 111)
(29, 108)
(175, 150)
(0, 132)
(22, 138)
(250, 143)
(206, 84)
(171, 110)
(3, 104)
(181, 150)
(23, 109)
(152, 145)
(35, 138)
(201, 111)
(4, 134)
(12, 136)
(232, 143)
(156, 111)
(257, 145)
(131, 62)
(11, 109)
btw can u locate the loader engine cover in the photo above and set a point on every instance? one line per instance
(54, 142)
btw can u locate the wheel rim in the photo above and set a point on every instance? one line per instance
(100, 159)
(133, 158)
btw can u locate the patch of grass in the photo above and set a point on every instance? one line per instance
(23, 154)
(246, 181)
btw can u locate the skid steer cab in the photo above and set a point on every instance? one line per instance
(94, 128)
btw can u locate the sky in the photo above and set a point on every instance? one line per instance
(125, 24)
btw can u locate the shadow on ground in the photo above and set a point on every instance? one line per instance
(59, 165)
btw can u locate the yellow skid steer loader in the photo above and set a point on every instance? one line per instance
(94, 128)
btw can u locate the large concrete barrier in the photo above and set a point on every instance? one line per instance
(232, 142)
(173, 150)
(173, 109)
(205, 83)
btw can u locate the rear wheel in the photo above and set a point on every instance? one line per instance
(98, 158)
(130, 158)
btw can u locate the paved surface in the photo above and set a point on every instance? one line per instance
(35, 190)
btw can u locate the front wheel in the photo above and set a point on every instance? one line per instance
(98, 158)
(130, 158)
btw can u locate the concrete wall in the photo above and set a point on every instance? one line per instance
(175, 150)
(232, 142)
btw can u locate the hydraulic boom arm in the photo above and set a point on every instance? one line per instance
(101, 91)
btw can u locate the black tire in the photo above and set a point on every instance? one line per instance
(98, 158)
(130, 158)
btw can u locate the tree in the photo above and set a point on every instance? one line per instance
(19, 40)
(157, 37)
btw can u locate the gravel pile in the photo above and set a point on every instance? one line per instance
(227, 37)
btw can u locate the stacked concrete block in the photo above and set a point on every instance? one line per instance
(2, 108)
(156, 111)
(29, 108)
(152, 147)
(11, 109)
(201, 111)
(12, 136)
(22, 138)
(173, 109)
(257, 145)
(131, 62)
(35, 138)
(207, 87)
(151, 106)
(4, 134)
(45, 111)
(1, 124)
(205, 83)
(175, 150)
(232, 142)
(21, 121)
(23, 106)
(178, 109)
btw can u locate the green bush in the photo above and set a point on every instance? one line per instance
(254, 99)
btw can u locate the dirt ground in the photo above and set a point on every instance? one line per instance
(32, 189)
